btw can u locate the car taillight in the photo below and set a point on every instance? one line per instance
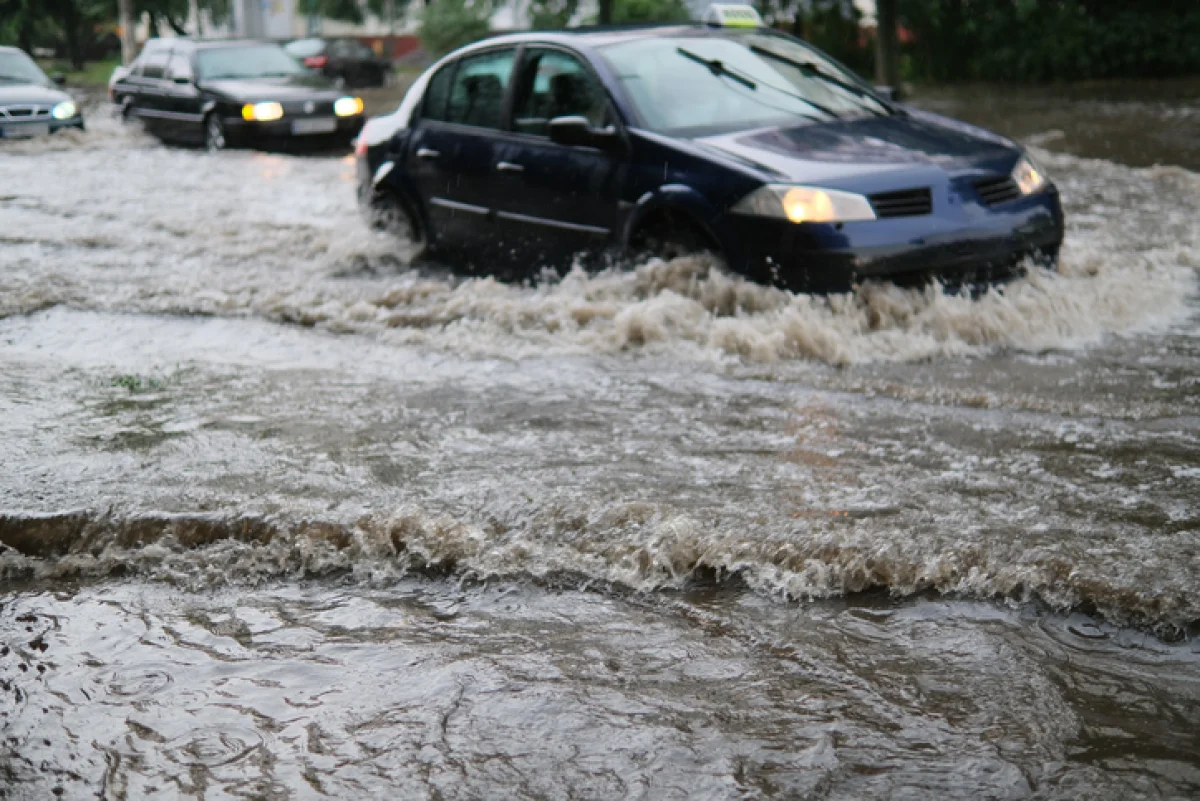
(316, 62)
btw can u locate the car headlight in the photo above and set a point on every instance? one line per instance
(64, 110)
(1028, 176)
(347, 106)
(802, 204)
(262, 112)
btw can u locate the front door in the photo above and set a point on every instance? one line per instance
(451, 153)
(556, 200)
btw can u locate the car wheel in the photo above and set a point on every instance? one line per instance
(670, 237)
(214, 133)
(127, 111)
(387, 213)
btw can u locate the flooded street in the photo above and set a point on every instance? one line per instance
(282, 518)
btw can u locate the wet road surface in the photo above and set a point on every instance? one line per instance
(282, 518)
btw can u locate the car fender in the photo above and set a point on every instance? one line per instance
(685, 200)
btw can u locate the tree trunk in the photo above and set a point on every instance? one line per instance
(125, 24)
(71, 27)
(887, 57)
(606, 12)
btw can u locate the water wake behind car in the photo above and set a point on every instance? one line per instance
(281, 513)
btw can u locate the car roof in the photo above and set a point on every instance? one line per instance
(601, 35)
(202, 44)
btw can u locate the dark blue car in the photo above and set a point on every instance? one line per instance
(526, 150)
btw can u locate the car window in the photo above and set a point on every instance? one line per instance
(255, 61)
(303, 48)
(155, 65)
(433, 105)
(698, 84)
(555, 84)
(477, 92)
(362, 51)
(339, 48)
(180, 67)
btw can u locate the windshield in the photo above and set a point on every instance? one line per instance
(695, 85)
(260, 61)
(19, 68)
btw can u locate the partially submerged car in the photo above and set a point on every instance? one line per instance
(343, 60)
(521, 151)
(225, 93)
(30, 103)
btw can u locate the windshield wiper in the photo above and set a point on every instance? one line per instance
(814, 69)
(718, 68)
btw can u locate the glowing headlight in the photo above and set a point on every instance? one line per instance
(64, 110)
(805, 204)
(347, 106)
(262, 112)
(1028, 176)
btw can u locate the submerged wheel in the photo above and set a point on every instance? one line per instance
(387, 212)
(214, 133)
(670, 236)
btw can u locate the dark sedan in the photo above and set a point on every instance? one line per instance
(346, 62)
(230, 93)
(30, 104)
(522, 150)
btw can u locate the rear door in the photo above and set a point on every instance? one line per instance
(556, 200)
(451, 153)
(182, 99)
(151, 92)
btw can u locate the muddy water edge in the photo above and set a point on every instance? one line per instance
(283, 518)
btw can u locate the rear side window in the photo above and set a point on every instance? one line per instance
(180, 67)
(477, 93)
(437, 93)
(155, 65)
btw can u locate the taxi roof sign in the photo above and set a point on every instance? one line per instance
(732, 15)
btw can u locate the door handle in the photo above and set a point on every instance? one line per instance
(426, 153)
(508, 166)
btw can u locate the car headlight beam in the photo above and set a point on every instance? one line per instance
(801, 204)
(1028, 176)
(262, 112)
(64, 110)
(347, 106)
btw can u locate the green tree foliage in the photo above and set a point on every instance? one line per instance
(834, 26)
(448, 24)
(1051, 40)
(551, 15)
(635, 11)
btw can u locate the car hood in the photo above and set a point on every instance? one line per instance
(299, 87)
(840, 152)
(15, 94)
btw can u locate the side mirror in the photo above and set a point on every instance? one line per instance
(888, 93)
(577, 131)
(59, 78)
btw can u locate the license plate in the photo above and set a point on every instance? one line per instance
(22, 131)
(314, 126)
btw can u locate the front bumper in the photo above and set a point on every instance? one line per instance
(24, 129)
(967, 244)
(250, 132)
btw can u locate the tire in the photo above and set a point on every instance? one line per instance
(215, 137)
(386, 212)
(671, 236)
(127, 109)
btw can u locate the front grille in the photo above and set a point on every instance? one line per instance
(906, 203)
(997, 189)
(23, 112)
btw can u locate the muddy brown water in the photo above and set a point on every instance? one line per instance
(282, 518)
